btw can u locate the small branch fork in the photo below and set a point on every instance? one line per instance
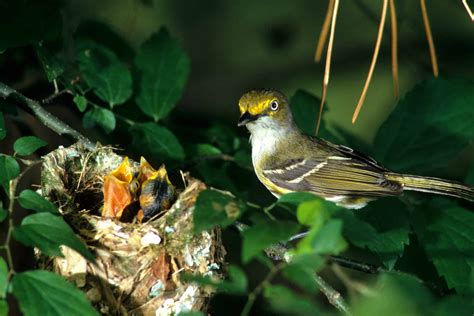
(48, 119)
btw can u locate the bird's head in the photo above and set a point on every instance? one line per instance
(264, 109)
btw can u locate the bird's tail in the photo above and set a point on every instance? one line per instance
(433, 185)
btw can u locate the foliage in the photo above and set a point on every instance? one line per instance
(131, 96)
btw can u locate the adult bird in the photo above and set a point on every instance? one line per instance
(287, 160)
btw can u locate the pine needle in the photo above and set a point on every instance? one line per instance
(328, 64)
(393, 20)
(429, 37)
(374, 61)
(324, 32)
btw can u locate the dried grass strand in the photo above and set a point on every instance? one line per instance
(393, 20)
(324, 32)
(327, 67)
(429, 37)
(372, 65)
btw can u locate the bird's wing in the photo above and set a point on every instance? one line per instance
(342, 173)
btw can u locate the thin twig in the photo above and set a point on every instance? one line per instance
(374, 61)
(328, 64)
(257, 290)
(55, 95)
(393, 20)
(324, 32)
(429, 37)
(44, 116)
(279, 252)
(334, 297)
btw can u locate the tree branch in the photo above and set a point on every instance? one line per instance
(48, 119)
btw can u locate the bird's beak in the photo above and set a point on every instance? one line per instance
(246, 118)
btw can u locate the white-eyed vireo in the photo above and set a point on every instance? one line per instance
(286, 160)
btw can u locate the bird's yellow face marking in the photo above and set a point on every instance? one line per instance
(258, 102)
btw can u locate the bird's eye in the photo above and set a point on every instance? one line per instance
(274, 105)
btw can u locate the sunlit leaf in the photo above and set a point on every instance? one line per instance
(3, 308)
(81, 102)
(164, 68)
(157, 140)
(48, 232)
(9, 169)
(325, 240)
(27, 145)
(45, 293)
(3, 278)
(313, 213)
(33, 201)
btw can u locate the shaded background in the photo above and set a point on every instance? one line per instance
(238, 45)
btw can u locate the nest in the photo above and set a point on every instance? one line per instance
(138, 265)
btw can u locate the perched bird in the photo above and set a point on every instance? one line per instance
(286, 160)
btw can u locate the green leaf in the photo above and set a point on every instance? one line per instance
(45, 293)
(199, 150)
(383, 227)
(3, 278)
(164, 68)
(296, 198)
(33, 201)
(215, 208)
(446, 231)
(236, 282)
(394, 295)
(3, 308)
(99, 116)
(305, 110)
(301, 271)
(283, 300)
(429, 127)
(3, 213)
(190, 313)
(81, 102)
(243, 158)
(263, 234)
(52, 65)
(104, 72)
(3, 131)
(470, 177)
(313, 213)
(9, 169)
(27, 22)
(27, 145)
(157, 140)
(325, 240)
(48, 232)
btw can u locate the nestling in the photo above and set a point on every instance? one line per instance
(286, 160)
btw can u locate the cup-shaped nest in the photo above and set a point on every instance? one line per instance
(138, 265)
